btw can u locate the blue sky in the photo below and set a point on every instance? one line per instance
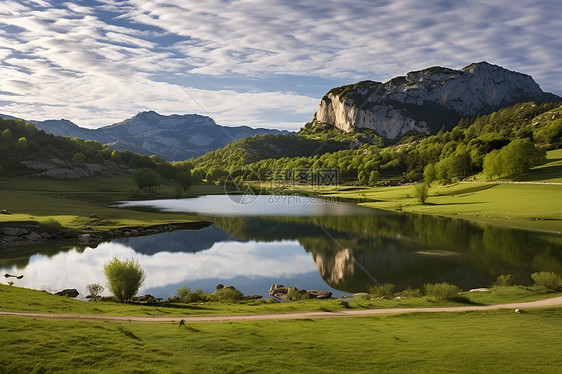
(262, 63)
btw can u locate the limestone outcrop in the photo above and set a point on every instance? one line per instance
(425, 100)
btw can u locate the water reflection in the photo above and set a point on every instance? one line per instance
(344, 253)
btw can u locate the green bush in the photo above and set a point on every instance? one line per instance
(227, 295)
(183, 292)
(410, 293)
(124, 278)
(384, 290)
(441, 290)
(503, 280)
(295, 295)
(95, 289)
(546, 279)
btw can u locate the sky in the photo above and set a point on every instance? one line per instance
(261, 63)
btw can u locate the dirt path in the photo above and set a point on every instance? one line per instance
(556, 301)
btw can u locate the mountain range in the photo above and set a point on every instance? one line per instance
(173, 137)
(425, 101)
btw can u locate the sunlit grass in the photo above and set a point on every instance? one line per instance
(494, 342)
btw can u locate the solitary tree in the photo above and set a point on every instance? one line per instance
(124, 278)
(422, 192)
(146, 178)
(185, 179)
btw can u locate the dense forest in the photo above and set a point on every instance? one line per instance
(517, 138)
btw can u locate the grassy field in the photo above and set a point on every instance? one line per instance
(14, 299)
(535, 205)
(71, 202)
(469, 342)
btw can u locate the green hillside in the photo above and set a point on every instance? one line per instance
(363, 159)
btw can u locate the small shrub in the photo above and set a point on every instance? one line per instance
(227, 295)
(441, 290)
(422, 192)
(546, 279)
(503, 280)
(384, 290)
(95, 289)
(124, 278)
(410, 293)
(50, 225)
(296, 295)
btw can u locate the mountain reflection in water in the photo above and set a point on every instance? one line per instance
(343, 253)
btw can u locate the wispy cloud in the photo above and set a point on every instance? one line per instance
(96, 62)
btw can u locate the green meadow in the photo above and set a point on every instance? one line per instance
(467, 342)
(72, 202)
(14, 299)
(533, 202)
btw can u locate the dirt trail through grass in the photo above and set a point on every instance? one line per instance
(556, 301)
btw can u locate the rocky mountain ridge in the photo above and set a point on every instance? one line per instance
(424, 101)
(173, 137)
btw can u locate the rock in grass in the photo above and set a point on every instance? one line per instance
(70, 292)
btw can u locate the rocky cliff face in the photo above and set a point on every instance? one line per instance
(426, 100)
(174, 137)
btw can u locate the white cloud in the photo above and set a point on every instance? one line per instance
(68, 62)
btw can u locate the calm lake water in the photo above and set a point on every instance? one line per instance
(296, 241)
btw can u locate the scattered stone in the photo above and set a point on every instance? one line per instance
(517, 311)
(4, 211)
(319, 294)
(146, 299)
(483, 289)
(70, 292)
(85, 238)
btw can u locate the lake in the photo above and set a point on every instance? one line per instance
(305, 242)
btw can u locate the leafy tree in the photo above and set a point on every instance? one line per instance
(124, 278)
(7, 134)
(95, 289)
(429, 173)
(374, 177)
(22, 144)
(185, 179)
(422, 192)
(116, 157)
(493, 164)
(146, 178)
(519, 155)
(79, 158)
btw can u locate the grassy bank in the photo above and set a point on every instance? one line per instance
(470, 342)
(14, 299)
(72, 202)
(532, 202)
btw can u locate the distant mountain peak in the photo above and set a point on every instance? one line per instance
(173, 137)
(425, 100)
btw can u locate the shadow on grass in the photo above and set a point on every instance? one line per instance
(468, 189)
(464, 300)
(445, 204)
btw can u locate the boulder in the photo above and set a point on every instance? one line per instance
(70, 292)
(277, 288)
(319, 294)
(85, 238)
